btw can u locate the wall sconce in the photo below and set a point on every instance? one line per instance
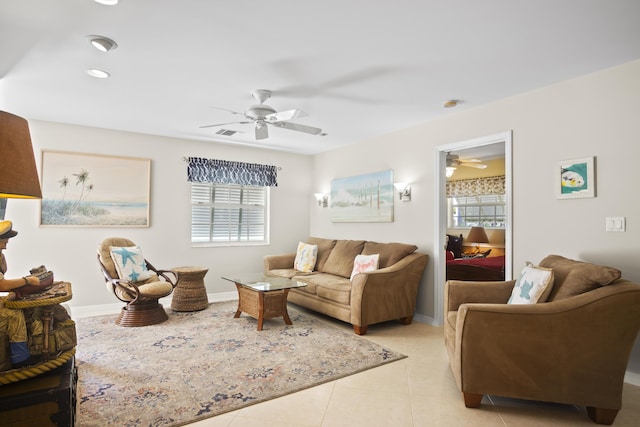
(404, 191)
(323, 199)
(450, 171)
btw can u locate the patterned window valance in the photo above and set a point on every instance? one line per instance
(226, 172)
(476, 187)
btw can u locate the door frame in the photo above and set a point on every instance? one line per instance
(441, 210)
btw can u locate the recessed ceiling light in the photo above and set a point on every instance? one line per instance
(100, 74)
(103, 44)
(107, 2)
(451, 103)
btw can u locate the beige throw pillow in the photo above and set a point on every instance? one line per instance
(306, 256)
(533, 285)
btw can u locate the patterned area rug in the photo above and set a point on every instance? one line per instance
(201, 364)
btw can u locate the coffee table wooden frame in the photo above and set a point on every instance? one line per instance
(262, 305)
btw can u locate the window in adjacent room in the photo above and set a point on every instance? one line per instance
(229, 214)
(486, 211)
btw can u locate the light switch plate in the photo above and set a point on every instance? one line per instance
(615, 223)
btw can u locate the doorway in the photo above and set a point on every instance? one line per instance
(501, 140)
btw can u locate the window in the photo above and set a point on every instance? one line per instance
(485, 211)
(229, 213)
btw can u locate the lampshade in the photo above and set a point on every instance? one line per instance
(477, 235)
(18, 173)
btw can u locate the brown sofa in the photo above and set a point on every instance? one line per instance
(388, 293)
(572, 349)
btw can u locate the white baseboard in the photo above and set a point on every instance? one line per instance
(632, 378)
(425, 319)
(114, 308)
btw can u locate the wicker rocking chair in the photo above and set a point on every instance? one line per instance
(141, 296)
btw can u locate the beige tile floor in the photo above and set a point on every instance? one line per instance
(414, 392)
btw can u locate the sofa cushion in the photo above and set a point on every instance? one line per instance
(287, 273)
(340, 261)
(324, 249)
(306, 256)
(339, 292)
(533, 285)
(576, 277)
(390, 253)
(364, 263)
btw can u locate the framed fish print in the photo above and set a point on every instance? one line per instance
(575, 179)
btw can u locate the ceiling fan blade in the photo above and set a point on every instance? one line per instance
(222, 124)
(283, 116)
(470, 161)
(261, 131)
(229, 111)
(473, 165)
(298, 127)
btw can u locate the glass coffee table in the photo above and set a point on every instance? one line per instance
(262, 296)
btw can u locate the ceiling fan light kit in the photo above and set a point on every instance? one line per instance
(262, 115)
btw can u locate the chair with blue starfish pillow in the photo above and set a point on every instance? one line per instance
(134, 281)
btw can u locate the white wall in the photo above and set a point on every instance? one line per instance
(594, 115)
(71, 251)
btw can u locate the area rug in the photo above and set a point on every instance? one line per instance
(201, 364)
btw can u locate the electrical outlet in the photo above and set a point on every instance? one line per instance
(615, 223)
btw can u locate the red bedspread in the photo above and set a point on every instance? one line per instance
(495, 262)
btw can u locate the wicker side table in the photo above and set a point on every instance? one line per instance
(190, 293)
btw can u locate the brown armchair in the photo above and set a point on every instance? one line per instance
(573, 349)
(141, 290)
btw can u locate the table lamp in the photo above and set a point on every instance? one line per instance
(18, 173)
(476, 236)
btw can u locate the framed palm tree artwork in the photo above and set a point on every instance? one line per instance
(92, 190)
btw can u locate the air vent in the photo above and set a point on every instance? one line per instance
(226, 132)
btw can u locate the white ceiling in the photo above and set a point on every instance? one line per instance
(359, 68)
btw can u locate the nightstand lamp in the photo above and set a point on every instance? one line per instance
(476, 236)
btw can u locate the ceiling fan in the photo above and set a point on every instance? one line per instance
(453, 160)
(262, 115)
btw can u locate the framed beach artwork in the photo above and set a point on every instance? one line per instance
(576, 178)
(363, 198)
(91, 190)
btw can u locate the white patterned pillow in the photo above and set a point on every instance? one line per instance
(130, 263)
(306, 257)
(364, 263)
(533, 286)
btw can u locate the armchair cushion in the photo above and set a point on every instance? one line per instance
(130, 263)
(577, 277)
(534, 285)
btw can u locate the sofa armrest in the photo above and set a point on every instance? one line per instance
(460, 292)
(570, 351)
(388, 293)
(276, 262)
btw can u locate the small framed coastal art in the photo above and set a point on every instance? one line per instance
(575, 179)
(363, 198)
(92, 190)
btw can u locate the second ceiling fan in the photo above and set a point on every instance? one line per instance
(264, 115)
